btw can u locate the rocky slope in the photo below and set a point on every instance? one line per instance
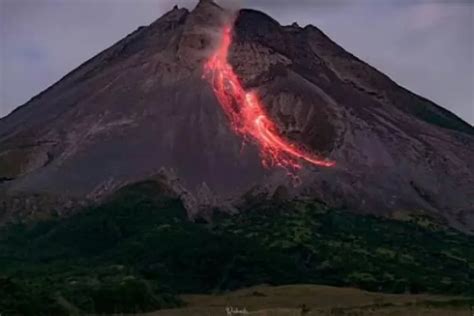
(141, 107)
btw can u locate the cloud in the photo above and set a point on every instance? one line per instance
(426, 15)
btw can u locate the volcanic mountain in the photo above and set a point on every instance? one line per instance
(147, 106)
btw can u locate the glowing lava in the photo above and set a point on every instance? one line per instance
(247, 115)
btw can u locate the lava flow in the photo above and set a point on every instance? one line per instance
(247, 115)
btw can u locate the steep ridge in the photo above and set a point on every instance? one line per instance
(142, 107)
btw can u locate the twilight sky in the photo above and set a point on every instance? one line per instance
(425, 45)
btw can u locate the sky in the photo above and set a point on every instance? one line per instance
(426, 46)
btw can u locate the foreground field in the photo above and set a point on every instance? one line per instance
(319, 300)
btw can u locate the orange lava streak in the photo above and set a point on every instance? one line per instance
(247, 116)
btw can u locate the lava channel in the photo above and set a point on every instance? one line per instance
(247, 115)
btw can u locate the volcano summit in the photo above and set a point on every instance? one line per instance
(153, 104)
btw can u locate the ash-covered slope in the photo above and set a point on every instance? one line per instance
(142, 106)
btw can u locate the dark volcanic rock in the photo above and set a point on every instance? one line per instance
(142, 106)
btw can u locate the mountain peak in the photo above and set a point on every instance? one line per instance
(207, 5)
(207, 2)
(201, 27)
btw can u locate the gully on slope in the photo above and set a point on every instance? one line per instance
(247, 115)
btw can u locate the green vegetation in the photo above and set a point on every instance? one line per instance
(138, 250)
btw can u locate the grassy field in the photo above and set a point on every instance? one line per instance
(310, 300)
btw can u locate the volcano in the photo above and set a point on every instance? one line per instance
(296, 106)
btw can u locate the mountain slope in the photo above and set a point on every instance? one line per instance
(142, 107)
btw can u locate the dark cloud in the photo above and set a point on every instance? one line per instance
(425, 45)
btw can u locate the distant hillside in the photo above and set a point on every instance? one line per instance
(138, 250)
